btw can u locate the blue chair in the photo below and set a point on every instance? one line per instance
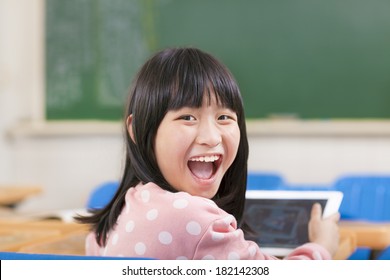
(366, 198)
(308, 187)
(102, 195)
(264, 181)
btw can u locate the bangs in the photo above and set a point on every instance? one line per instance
(200, 77)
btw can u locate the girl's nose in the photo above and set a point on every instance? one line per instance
(208, 134)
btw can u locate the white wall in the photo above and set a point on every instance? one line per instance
(320, 160)
(69, 165)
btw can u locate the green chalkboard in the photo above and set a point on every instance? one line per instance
(93, 49)
(310, 58)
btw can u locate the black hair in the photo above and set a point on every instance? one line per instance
(171, 79)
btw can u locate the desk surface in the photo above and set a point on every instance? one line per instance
(69, 244)
(51, 237)
(368, 234)
(10, 195)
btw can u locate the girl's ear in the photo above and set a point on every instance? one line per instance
(129, 124)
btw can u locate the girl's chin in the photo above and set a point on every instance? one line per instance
(208, 195)
(205, 190)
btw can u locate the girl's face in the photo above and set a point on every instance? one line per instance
(195, 146)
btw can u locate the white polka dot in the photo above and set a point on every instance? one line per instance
(130, 226)
(152, 214)
(140, 248)
(165, 237)
(237, 233)
(145, 196)
(193, 228)
(228, 220)
(115, 239)
(252, 250)
(208, 257)
(181, 258)
(316, 255)
(180, 203)
(233, 256)
(216, 236)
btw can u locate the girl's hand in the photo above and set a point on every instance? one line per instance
(324, 231)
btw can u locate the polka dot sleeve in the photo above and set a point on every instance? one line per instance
(223, 240)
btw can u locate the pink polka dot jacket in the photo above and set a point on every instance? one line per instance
(158, 224)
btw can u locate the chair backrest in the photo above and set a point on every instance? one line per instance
(264, 181)
(365, 197)
(102, 195)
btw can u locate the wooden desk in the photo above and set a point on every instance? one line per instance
(69, 244)
(368, 234)
(49, 237)
(11, 195)
(11, 240)
(61, 227)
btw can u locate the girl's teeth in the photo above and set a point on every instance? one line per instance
(206, 158)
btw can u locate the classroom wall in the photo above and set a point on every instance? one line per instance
(69, 166)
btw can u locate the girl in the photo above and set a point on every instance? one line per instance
(182, 194)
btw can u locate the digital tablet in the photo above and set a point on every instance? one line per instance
(279, 219)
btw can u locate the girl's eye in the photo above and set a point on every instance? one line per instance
(187, 118)
(225, 118)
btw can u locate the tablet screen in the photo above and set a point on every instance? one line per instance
(279, 223)
(279, 219)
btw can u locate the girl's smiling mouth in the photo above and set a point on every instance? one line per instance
(204, 167)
